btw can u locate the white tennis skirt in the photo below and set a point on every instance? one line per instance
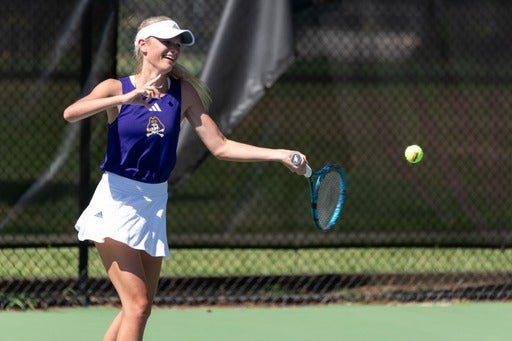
(129, 211)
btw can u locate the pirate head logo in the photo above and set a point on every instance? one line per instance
(155, 127)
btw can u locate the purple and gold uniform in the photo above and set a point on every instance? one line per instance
(129, 204)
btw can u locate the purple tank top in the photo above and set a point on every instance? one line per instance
(142, 142)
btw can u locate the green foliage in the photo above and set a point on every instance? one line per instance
(19, 302)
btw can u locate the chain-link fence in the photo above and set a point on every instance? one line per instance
(368, 78)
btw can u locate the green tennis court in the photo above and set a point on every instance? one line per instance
(461, 321)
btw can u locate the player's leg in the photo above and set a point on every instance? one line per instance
(113, 329)
(126, 271)
(152, 268)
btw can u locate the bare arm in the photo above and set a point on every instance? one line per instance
(103, 97)
(224, 148)
(108, 96)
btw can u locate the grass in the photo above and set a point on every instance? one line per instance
(63, 262)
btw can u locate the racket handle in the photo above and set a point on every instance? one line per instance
(296, 160)
(309, 171)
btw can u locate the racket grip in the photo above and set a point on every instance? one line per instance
(296, 160)
(309, 171)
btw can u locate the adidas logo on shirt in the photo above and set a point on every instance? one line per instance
(155, 107)
(99, 214)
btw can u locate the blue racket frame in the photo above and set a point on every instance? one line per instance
(315, 182)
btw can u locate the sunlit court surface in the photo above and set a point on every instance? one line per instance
(355, 322)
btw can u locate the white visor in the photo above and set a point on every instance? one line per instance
(165, 30)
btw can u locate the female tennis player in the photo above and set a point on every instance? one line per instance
(126, 217)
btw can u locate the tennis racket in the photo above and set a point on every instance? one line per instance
(327, 189)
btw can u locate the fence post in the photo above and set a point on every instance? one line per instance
(84, 152)
(91, 25)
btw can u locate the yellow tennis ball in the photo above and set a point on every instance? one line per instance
(413, 153)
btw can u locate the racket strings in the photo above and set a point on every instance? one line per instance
(329, 192)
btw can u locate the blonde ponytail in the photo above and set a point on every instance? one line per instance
(180, 72)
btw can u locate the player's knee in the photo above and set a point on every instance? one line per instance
(139, 309)
(144, 309)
